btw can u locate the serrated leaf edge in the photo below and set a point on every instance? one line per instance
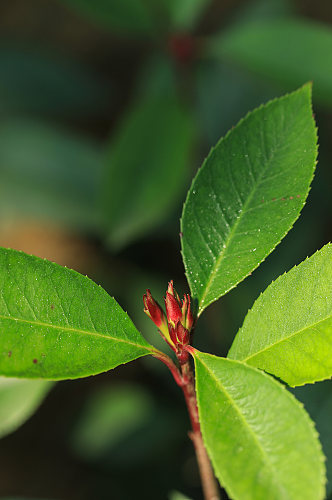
(310, 422)
(308, 85)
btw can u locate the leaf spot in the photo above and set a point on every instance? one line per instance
(9, 354)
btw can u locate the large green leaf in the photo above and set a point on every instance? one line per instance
(18, 401)
(57, 324)
(261, 441)
(49, 173)
(247, 195)
(146, 168)
(288, 332)
(287, 51)
(129, 17)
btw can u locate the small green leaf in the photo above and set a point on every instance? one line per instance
(146, 169)
(19, 399)
(129, 17)
(287, 51)
(57, 324)
(247, 195)
(261, 441)
(288, 332)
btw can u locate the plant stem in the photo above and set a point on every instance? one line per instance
(209, 483)
(185, 379)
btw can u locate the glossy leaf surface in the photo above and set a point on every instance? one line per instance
(288, 331)
(261, 441)
(146, 168)
(58, 324)
(247, 195)
(18, 401)
(287, 51)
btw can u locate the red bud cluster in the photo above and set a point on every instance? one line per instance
(179, 320)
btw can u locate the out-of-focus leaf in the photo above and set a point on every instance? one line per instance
(129, 17)
(261, 441)
(176, 495)
(247, 195)
(263, 11)
(32, 81)
(110, 415)
(146, 169)
(289, 52)
(49, 173)
(224, 94)
(19, 399)
(288, 331)
(57, 324)
(317, 399)
(184, 14)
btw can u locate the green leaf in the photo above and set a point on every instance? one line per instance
(49, 173)
(286, 51)
(57, 324)
(146, 168)
(111, 415)
(247, 195)
(261, 441)
(185, 14)
(288, 331)
(129, 17)
(19, 399)
(176, 495)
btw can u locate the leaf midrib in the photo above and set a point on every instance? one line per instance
(259, 445)
(298, 332)
(75, 330)
(232, 231)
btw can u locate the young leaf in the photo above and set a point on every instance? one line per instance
(57, 324)
(287, 51)
(261, 441)
(19, 399)
(288, 332)
(146, 168)
(247, 195)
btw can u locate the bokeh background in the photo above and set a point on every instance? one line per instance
(107, 109)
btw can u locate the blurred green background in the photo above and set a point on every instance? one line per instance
(107, 109)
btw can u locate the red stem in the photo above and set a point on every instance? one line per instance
(185, 379)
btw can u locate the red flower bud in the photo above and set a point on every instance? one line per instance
(153, 310)
(189, 321)
(173, 309)
(182, 334)
(173, 292)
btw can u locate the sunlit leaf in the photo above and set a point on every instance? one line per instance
(57, 324)
(261, 441)
(247, 195)
(288, 331)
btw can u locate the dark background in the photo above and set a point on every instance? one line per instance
(69, 79)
